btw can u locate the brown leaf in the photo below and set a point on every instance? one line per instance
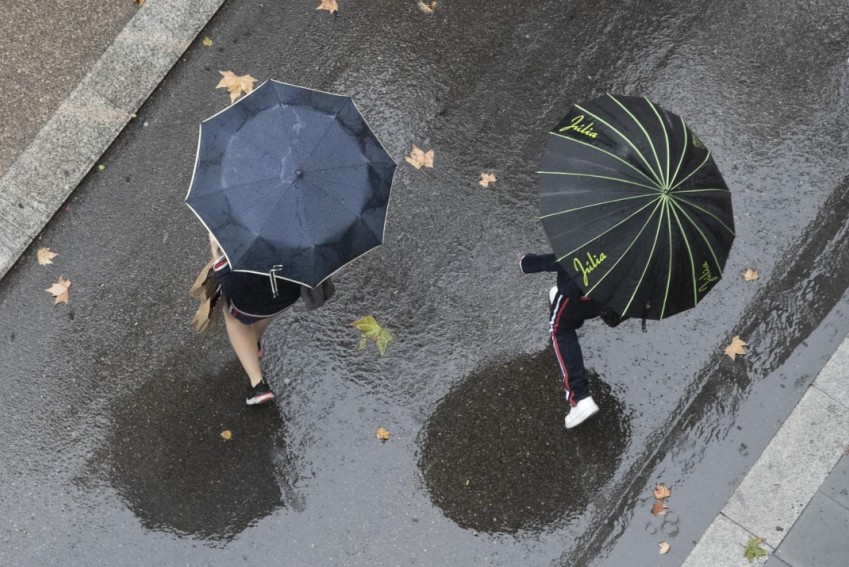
(735, 348)
(226, 434)
(419, 158)
(140, 2)
(45, 256)
(750, 275)
(486, 179)
(659, 508)
(59, 290)
(235, 84)
(427, 8)
(329, 5)
(382, 434)
(663, 547)
(662, 492)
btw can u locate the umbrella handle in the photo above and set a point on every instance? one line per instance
(273, 279)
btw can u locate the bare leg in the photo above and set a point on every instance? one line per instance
(243, 338)
(260, 326)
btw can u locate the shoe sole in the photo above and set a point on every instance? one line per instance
(259, 400)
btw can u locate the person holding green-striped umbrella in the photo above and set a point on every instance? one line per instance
(639, 220)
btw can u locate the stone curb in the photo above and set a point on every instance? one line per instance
(787, 475)
(93, 115)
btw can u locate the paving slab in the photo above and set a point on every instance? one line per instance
(836, 486)
(792, 468)
(723, 545)
(834, 378)
(818, 539)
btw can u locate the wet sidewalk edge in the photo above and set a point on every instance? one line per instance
(92, 116)
(786, 477)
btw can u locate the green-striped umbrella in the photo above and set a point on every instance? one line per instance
(635, 207)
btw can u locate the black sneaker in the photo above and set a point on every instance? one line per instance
(260, 394)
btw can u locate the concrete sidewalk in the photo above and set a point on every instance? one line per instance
(796, 496)
(80, 71)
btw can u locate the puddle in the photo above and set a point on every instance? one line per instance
(167, 459)
(496, 456)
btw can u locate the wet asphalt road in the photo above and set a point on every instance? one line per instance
(114, 407)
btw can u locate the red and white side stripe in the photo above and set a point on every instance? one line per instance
(559, 307)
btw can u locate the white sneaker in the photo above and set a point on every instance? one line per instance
(582, 410)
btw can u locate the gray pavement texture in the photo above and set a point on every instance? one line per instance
(88, 103)
(793, 495)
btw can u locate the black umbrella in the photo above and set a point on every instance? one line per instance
(635, 207)
(292, 183)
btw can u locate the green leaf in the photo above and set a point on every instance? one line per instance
(383, 341)
(754, 549)
(207, 42)
(370, 329)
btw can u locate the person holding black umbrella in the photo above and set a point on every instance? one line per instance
(249, 309)
(639, 219)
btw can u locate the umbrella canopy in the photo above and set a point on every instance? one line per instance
(635, 207)
(292, 182)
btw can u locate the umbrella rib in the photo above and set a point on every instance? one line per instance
(611, 154)
(701, 233)
(655, 189)
(627, 141)
(625, 253)
(692, 173)
(665, 136)
(705, 190)
(690, 254)
(595, 205)
(708, 213)
(626, 219)
(645, 133)
(651, 254)
(669, 272)
(323, 134)
(683, 151)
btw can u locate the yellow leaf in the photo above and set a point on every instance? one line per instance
(486, 179)
(101, 167)
(45, 256)
(382, 434)
(659, 509)
(226, 434)
(661, 492)
(663, 547)
(427, 8)
(329, 5)
(419, 158)
(735, 348)
(235, 84)
(207, 42)
(750, 275)
(59, 290)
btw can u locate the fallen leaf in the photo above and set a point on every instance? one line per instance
(371, 330)
(735, 348)
(207, 42)
(59, 290)
(486, 179)
(754, 549)
(226, 434)
(101, 167)
(466, 483)
(419, 158)
(659, 508)
(329, 5)
(663, 547)
(427, 8)
(382, 434)
(45, 256)
(140, 2)
(662, 492)
(750, 275)
(235, 84)
(133, 115)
